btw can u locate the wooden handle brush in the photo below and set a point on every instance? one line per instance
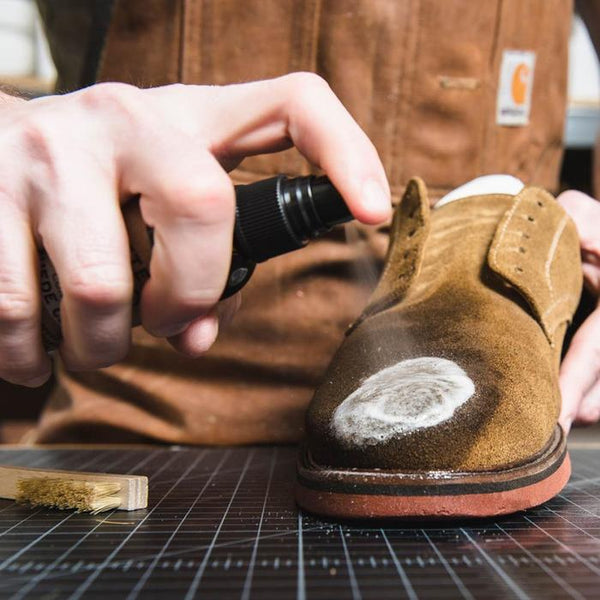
(76, 490)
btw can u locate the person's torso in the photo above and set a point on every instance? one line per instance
(422, 77)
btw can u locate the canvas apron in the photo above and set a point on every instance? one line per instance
(422, 78)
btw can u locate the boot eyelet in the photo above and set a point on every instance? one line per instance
(519, 269)
(531, 219)
(522, 250)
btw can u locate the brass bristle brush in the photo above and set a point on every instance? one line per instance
(74, 490)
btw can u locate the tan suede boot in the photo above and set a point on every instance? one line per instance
(443, 399)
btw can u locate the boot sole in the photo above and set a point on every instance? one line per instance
(357, 494)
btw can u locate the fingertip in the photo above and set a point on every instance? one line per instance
(572, 197)
(589, 410)
(369, 201)
(198, 338)
(376, 203)
(568, 195)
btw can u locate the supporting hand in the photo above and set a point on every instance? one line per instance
(580, 370)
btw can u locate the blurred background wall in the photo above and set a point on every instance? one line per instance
(24, 57)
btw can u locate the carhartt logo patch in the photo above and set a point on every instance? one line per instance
(515, 87)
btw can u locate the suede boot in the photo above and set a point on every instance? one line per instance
(443, 399)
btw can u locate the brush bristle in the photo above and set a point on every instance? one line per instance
(69, 494)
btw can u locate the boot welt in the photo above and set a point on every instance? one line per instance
(351, 493)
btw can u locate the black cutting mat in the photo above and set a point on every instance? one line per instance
(222, 524)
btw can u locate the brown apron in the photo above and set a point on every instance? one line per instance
(421, 77)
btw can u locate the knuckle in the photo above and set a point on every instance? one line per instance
(177, 88)
(37, 143)
(207, 199)
(16, 306)
(307, 82)
(120, 98)
(308, 89)
(34, 135)
(218, 201)
(100, 286)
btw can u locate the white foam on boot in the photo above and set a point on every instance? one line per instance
(412, 394)
(481, 186)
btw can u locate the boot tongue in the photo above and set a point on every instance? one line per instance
(482, 186)
(411, 229)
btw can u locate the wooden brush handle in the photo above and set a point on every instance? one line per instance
(133, 494)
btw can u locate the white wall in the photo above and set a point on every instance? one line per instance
(583, 113)
(584, 68)
(23, 48)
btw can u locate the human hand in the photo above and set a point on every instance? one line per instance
(580, 370)
(68, 162)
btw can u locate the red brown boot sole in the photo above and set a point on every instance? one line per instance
(360, 494)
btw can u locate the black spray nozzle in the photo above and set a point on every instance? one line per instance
(277, 215)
